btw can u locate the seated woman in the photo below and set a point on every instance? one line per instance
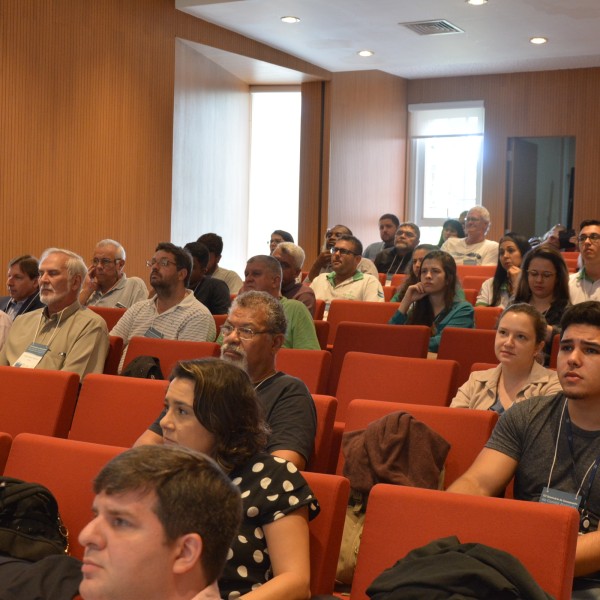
(212, 408)
(497, 290)
(412, 272)
(519, 338)
(435, 299)
(545, 285)
(451, 228)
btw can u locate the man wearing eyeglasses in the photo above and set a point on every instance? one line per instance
(173, 313)
(585, 285)
(106, 283)
(346, 282)
(397, 258)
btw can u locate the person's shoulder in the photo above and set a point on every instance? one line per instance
(538, 406)
(284, 384)
(489, 244)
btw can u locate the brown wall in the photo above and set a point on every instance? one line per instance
(549, 103)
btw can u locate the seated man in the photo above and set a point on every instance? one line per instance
(23, 287)
(214, 243)
(388, 225)
(398, 258)
(551, 444)
(291, 259)
(252, 336)
(585, 285)
(474, 249)
(213, 293)
(164, 520)
(346, 282)
(63, 336)
(106, 283)
(174, 313)
(263, 274)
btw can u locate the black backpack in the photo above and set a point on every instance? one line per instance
(144, 367)
(30, 526)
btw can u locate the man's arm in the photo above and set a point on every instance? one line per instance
(489, 475)
(587, 554)
(373, 291)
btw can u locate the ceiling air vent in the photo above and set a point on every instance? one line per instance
(438, 27)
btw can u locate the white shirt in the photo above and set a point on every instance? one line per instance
(481, 253)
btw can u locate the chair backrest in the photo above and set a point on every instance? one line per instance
(467, 346)
(395, 379)
(37, 401)
(398, 279)
(471, 295)
(322, 331)
(420, 516)
(388, 292)
(319, 309)
(467, 431)
(554, 351)
(169, 352)
(110, 315)
(67, 468)
(570, 255)
(392, 340)
(480, 366)
(219, 320)
(312, 366)
(5, 444)
(474, 282)
(325, 407)
(116, 410)
(382, 278)
(486, 317)
(358, 312)
(486, 271)
(326, 529)
(113, 358)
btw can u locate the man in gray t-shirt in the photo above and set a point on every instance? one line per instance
(530, 434)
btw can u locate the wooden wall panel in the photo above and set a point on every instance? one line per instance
(368, 150)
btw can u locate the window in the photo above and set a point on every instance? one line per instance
(446, 149)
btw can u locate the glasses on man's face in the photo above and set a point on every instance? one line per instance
(244, 333)
(545, 275)
(163, 262)
(593, 237)
(473, 219)
(104, 261)
(407, 234)
(342, 251)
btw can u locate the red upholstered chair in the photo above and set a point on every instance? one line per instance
(326, 407)
(480, 366)
(37, 401)
(467, 431)
(542, 536)
(474, 282)
(322, 330)
(392, 340)
(398, 279)
(486, 317)
(116, 410)
(5, 444)
(326, 529)
(110, 315)
(463, 271)
(312, 366)
(169, 352)
(67, 468)
(388, 292)
(113, 358)
(382, 277)
(319, 309)
(467, 346)
(554, 351)
(219, 320)
(471, 295)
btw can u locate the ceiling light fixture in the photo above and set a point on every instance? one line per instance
(365, 53)
(290, 19)
(476, 2)
(538, 40)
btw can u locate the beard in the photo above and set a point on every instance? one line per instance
(240, 360)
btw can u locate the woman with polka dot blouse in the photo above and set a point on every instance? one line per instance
(212, 407)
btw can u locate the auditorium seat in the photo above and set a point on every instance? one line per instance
(474, 282)
(5, 444)
(110, 315)
(486, 317)
(113, 358)
(463, 271)
(388, 292)
(311, 366)
(325, 407)
(322, 331)
(319, 309)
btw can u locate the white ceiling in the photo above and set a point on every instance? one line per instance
(495, 39)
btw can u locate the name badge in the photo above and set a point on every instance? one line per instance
(552, 496)
(388, 280)
(153, 333)
(31, 358)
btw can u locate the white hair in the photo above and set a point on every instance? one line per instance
(294, 251)
(108, 242)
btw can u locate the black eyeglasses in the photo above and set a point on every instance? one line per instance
(104, 261)
(342, 251)
(593, 237)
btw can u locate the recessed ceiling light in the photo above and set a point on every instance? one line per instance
(538, 40)
(290, 19)
(477, 2)
(365, 53)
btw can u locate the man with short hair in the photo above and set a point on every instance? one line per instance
(346, 282)
(474, 249)
(214, 243)
(174, 313)
(213, 293)
(398, 258)
(63, 336)
(388, 225)
(585, 285)
(23, 287)
(252, 335)
(323, 264)
(164, 519)
(264, 274)
(291, 258)
(106, 283)
(551, 444)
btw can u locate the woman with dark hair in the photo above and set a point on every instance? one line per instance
(451, 228)
(520, 337)
(412, 271)
(497, 290)
(278, 236)
(212, 408)
(435, 299)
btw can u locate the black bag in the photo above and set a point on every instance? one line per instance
(30, 526)
(144, 367)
